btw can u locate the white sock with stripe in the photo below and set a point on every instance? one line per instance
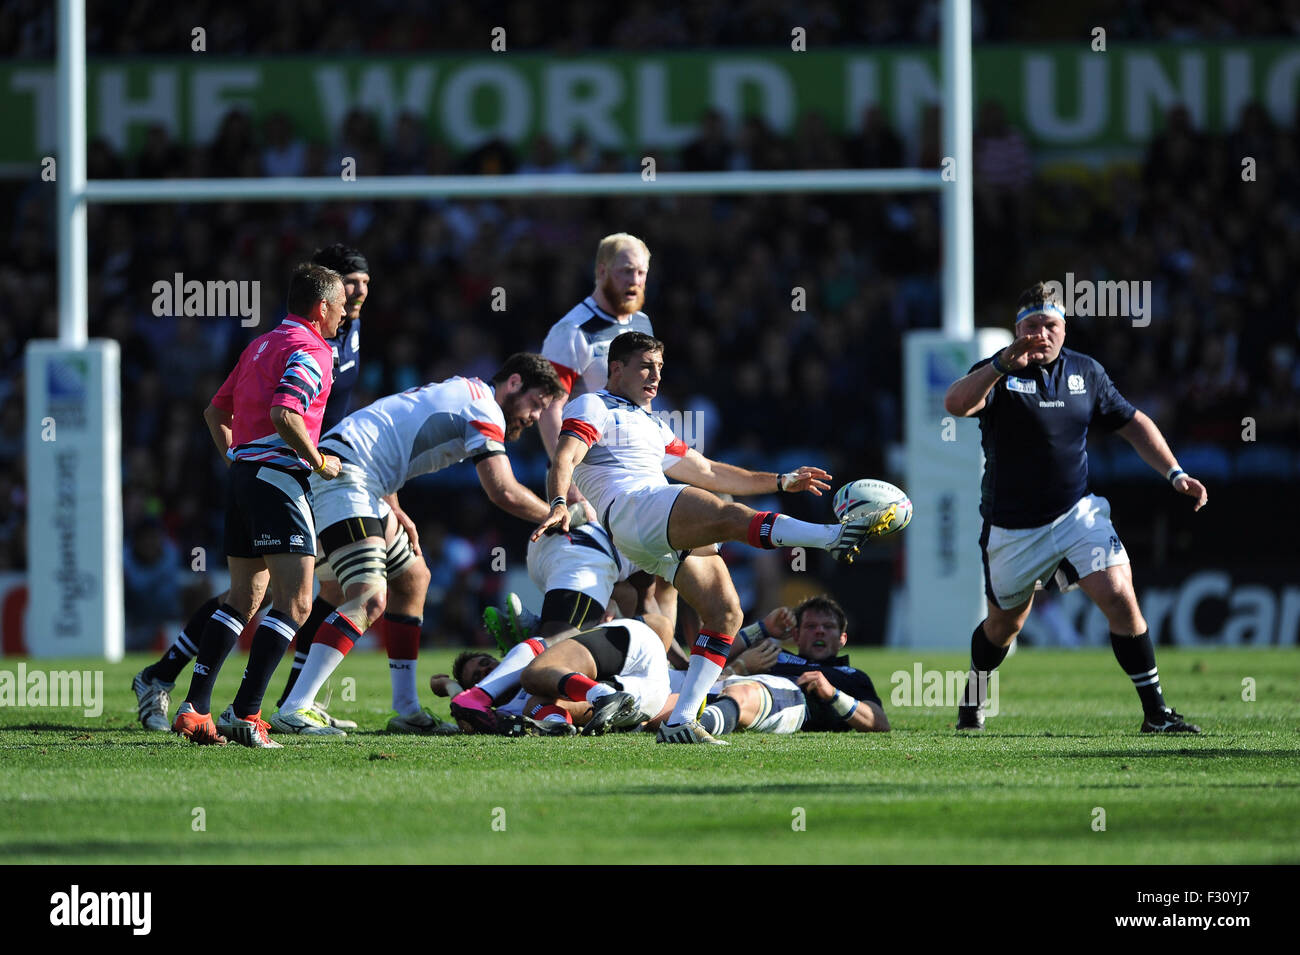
(321, 662)
(790, 532)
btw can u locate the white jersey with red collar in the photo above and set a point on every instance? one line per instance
(578, 344)
(629, 448)
(420, 431)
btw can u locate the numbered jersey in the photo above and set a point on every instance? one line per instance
(420, 431)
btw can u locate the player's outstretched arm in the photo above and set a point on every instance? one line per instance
(505, 491)
(1152, 448)
(695, 469)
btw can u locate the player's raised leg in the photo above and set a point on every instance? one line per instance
(700, 518)
(1130, 638)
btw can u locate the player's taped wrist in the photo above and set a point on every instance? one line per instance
(843, 704)
(557, 501)
(1174, 473)
(755, 631)
(998, 366)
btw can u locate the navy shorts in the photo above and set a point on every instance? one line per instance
(268, 511)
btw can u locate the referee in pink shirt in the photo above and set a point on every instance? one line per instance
(265, 419)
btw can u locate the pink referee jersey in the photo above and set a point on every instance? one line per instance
(283, 367)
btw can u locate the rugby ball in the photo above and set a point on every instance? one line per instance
(891, 508)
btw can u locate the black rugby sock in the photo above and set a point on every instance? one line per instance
(219, 637)
(1137, 657)
(985, 657)
(269, 643)
(186, 646)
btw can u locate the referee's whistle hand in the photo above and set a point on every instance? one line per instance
(1192, 488)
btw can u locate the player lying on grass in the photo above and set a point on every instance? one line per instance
(619, 454)
(577, 572)
(611, 676)
(766, 689)
(382, 446)
(1036, 402)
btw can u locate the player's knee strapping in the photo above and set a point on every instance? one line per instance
(360, 565)
(400, 554)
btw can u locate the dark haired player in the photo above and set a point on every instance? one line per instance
(619, 454)
(381, 447)
(766, 689)
(1036, 402)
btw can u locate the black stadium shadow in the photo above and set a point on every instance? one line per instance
(136, 849)
(1167, 753)
(56, 728)
(815, 789)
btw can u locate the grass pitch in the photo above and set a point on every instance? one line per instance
(1065, 745)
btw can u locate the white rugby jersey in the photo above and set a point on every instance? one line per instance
(629, 448)
(420, 431)
(578, 344)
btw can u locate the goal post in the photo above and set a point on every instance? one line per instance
(102, 597)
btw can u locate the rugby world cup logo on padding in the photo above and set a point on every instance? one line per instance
(65, 378)
(67, 390)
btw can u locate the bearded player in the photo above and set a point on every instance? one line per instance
(381, 447)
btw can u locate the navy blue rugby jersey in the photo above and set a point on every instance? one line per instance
(846, 679)
(1034, 429)
(346, 345)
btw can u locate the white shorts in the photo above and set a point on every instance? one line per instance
(580, 561)
(645, 672)
(784, 706)
(638, 522)
(348, 495)
(1079, 542)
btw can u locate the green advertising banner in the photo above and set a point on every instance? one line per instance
(1061, 96)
